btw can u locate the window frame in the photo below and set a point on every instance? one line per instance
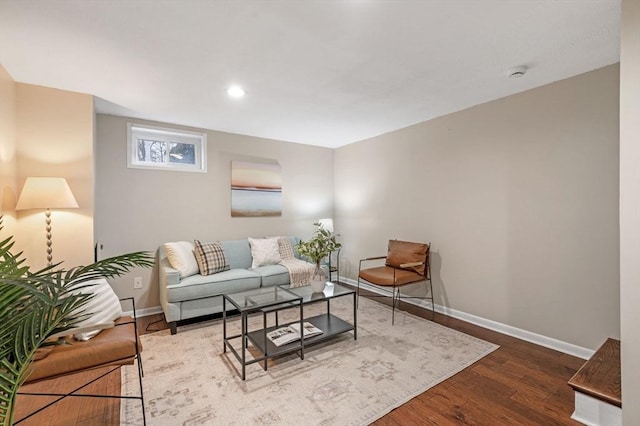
(166, 135)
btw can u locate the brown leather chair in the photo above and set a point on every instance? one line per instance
(116, 345)
(405, 263)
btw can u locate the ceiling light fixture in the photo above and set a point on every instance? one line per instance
(236, 91)
(517, 72)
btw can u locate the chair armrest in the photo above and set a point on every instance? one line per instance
(373, 258)
(84, 329)
(366, 259)
(411, 264)
(133, 305)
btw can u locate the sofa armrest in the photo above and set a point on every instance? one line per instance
(166, 276)
(171, 276)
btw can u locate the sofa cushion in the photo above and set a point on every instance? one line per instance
(198, 286)
(273, 275)
(238, 253)
(181, 257)
(211, 258)
(264, 251)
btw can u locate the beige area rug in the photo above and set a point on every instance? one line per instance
(190, 381)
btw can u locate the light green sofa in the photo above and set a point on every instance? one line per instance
(198, 295)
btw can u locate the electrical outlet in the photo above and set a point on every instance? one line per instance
(137, 282)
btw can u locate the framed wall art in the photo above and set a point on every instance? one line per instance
(256, 189)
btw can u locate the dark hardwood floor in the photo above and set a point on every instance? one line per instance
(518, 384)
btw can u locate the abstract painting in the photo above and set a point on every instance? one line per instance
(256, 189)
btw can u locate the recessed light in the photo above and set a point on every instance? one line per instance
(236, 91)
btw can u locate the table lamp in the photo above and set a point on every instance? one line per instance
(46, 193)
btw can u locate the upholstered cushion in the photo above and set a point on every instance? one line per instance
(385, 275)
(210, 258)
(42, 352)
(401, 252)
(182, 258)
(238, 253)
(273, 275)
(264, 251)
(199, 287)
(103, 307)
(114, 346)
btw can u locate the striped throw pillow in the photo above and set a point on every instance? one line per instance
(103, 307)
(211, 258)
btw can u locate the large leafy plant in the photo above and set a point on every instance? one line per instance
(37, 305)
(319, 246)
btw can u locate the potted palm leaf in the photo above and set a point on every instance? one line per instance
(36, 305)
(321, 245)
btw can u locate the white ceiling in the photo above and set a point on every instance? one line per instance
(316, 72)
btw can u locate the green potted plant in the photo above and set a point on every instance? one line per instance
(36, 305)
(321, 245)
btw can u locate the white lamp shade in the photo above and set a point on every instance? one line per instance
(46, 193)
(326, 224)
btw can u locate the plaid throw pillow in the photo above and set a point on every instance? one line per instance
(210, 257)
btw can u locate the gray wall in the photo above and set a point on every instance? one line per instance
(519, 198)
(140, 209)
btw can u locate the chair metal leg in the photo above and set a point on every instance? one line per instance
(73, 393)
(393, 311)
(394, 299)
(140, 374)
(139, 360)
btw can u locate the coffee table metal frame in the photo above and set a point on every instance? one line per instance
(335, 324)
(330, 324)
(250, 301)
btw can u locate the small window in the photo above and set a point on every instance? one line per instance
(157, 148)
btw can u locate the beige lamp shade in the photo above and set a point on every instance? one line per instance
(46, 193)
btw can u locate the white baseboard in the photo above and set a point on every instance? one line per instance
(145, 312)
(538, 339)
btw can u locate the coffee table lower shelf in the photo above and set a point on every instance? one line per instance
(330, 325)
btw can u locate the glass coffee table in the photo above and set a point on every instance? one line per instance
(267, 300)
(254, 300)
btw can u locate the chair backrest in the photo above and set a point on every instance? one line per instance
(401, 252)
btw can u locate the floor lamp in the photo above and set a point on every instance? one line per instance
(46, 193)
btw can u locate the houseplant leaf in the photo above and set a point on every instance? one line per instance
(37, 305)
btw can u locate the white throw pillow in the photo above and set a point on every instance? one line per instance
(104, 307)
(182, 258)
(264, 251)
